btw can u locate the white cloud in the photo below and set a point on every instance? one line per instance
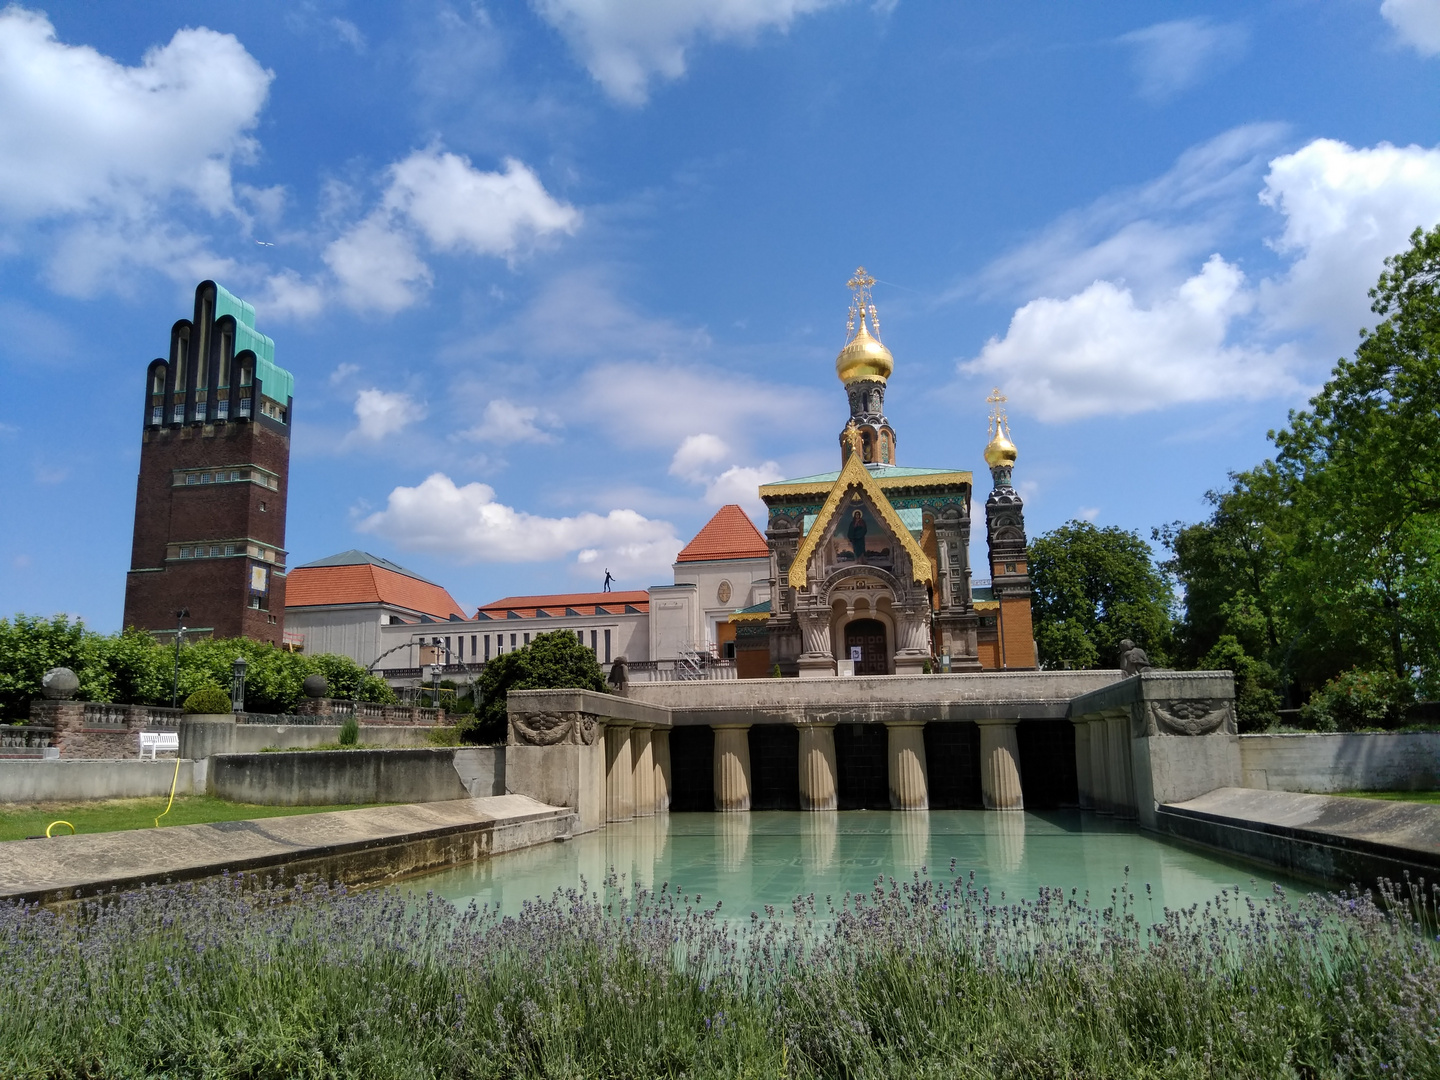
(80, 131)
(289, 296)
(468, 524)
(1345, 210)
(377, 266)
(696, 460)
(1417, 22)
(625, 43)
(506, 423)
(381, 413)
(695, 456)
(1173, 56)
(458, 206)
(343, 372)
(1100, 351)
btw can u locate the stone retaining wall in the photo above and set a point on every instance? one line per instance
(1390, 761)
(81, 781)
(331, 777)
(204, 736)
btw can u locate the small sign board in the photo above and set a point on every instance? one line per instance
(856, 653)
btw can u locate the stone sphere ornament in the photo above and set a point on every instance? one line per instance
(59, 684)
(315, 686)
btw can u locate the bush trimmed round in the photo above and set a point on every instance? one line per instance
(208, 699)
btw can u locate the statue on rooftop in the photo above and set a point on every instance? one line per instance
(1132, 658)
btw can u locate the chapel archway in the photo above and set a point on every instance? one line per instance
(870, 637)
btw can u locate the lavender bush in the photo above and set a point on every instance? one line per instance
(914, 979)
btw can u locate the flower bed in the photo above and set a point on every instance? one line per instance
(912, 979)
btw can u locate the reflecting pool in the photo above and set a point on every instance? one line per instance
(747, 861)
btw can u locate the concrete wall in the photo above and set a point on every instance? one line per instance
(1039, 695)
(329, 777)
(1341, 762)
(82, 781)
(202, 738)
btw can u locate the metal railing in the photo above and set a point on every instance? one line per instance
(708, 668)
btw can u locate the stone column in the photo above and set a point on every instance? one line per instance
(909, 787)
(660, 754)
(1099, 766)
(619, 773)
(644, 764)
(1083, 788)
(817, 661)
(817, 767)
(1000, 765)
(1122, 794)
(732, 767)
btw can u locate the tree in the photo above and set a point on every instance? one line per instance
(1092, 589)
(552, 661)
(30, 645)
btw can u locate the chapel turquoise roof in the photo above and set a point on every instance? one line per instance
(880, 472)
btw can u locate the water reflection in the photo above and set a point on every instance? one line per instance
(751, 860)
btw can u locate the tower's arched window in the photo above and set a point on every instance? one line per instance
(247, 379)
(157, 381)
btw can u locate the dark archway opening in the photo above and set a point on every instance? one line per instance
(867, 635)
(774, 767)
(862, 767)
(692, 768)
(1047, 764)
(952, 759)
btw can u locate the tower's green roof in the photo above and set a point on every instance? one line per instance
(276, 382)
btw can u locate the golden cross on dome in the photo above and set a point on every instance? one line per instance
(998, 421)
(861, 304)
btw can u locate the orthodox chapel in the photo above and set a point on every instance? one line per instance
(869, 565)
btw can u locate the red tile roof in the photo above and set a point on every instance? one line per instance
(730, 534)
(366, 583)
(561, 604)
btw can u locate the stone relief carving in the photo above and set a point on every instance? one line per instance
(586, 729)
(542, 729)
(1190, 716)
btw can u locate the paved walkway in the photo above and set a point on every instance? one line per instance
(356, 846)
(1339, 840)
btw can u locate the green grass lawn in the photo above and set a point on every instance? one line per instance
(1396, 796)
(18, 821)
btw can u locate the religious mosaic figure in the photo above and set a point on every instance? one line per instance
(856, 534)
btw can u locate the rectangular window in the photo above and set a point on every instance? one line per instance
(527, 639)
(592, 642)
(157, 414)
(184, 552)
(192, 478)
(177, 415)
(205, 478)
(230, 550)
(487, 646)
(512, 640)
(607, 646)
(244, 409)
(214, 551)
(234, 475)
(580, 636)
(474, 652)
(447, 650)
(222, 409)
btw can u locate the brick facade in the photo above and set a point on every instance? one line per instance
(211, 495)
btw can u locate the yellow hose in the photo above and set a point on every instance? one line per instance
(54, 823)
(173, 781)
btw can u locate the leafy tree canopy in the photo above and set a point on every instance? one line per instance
(1092, 589)
(552, 661)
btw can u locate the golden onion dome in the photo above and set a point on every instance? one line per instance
(864, 358)
(1000, 451)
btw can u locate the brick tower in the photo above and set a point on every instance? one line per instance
(214, 477)
(1005, 531)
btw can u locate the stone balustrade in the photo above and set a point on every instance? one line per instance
(95, 729)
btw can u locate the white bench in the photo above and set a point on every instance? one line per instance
(155, 741)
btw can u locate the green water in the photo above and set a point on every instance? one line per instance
(747, 861)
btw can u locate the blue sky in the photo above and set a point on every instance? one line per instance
(558, 279)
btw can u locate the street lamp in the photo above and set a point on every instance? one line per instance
(237, 685)
(180, 617)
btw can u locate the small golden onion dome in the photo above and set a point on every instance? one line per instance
(864, 358)
(1001, 450)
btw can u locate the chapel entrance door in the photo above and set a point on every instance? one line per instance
(868, 635)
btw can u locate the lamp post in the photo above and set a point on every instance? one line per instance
(180, 617)
(237, 685)
(435, 685)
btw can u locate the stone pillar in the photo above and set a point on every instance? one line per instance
(1099, 766)
(817, 767)
(732, 767)
(644, 763)
(817, 661)
(1000, 765)
(660, 754)
(619, 773)
(1083, 787)
(909, 787)
(1122, 793)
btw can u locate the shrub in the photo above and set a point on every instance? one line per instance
(443, 735)
(1356, 699)
(349, 731)
(1257, 705)
(208, 699)
(553, 661)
